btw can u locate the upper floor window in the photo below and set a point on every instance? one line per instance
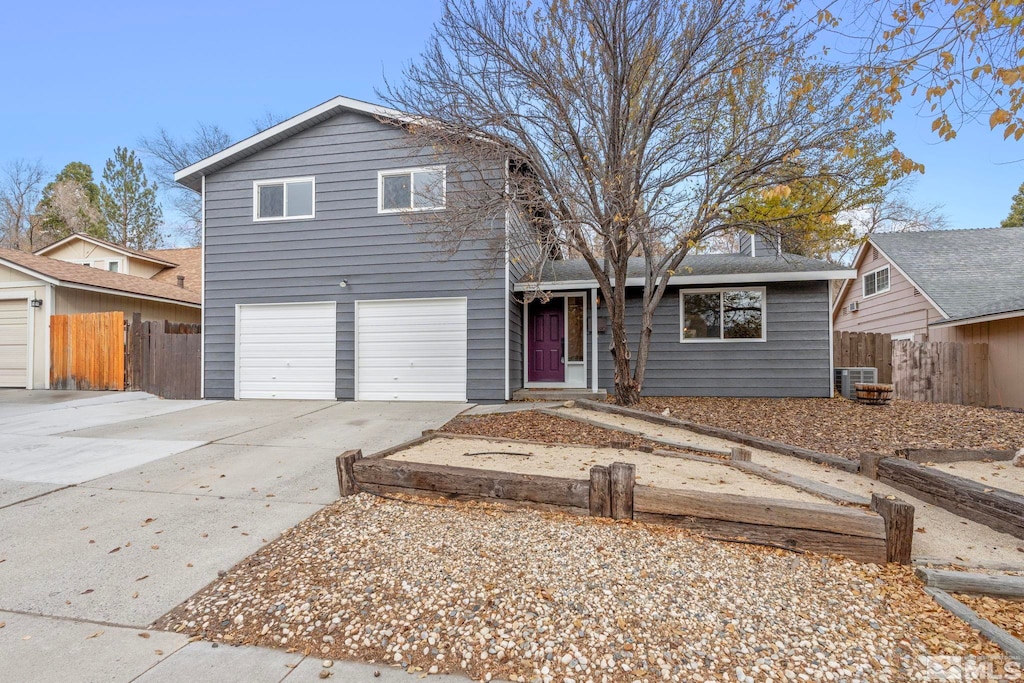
(286, 199)
(722, 315)
(411, 189)
(876, 282)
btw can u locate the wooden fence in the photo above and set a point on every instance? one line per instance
(941, 372)
(864, 350)
(164, 358)
(87, 351)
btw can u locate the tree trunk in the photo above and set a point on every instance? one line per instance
(627, 391)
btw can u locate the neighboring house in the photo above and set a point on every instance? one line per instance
(34, 287)
(945, 285)
(319, 284)
(162, 265)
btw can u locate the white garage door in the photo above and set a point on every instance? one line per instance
(14, 343)
(286, 350)
(411, 350)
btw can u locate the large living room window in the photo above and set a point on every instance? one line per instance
(876, 282)
(711, 315)
(411, 189)
(287, 199)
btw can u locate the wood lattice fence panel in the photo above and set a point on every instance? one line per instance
(864, 350)
(87, 351)
(941, 372)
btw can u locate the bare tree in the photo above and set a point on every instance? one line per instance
(70, 209)
(630, 129)
(267, 120)
(21, 185)
(169, 154)
(896, 213)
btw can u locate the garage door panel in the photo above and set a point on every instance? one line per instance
(412, 350)
(13, 343)
(287, 351)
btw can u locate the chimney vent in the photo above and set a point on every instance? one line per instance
(181, 281)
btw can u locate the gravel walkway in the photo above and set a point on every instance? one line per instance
(545, 597)
(847, 428)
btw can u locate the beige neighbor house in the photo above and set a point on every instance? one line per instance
(945, 285)
(82, 274)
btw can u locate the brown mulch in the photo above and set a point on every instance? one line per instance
(842, 427)
(1006, 614)
(531, 426)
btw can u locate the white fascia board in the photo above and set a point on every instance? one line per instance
(911, 281)
(98, 243)
(687, 280)
(295, 121)
(28, 271)
(979, 319)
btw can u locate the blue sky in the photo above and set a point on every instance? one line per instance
(82, 78)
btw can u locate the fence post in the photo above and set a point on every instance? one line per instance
(346, 478)
(899, 527)
(600, 492)
(740, 454)
(869, 464)
(623, 478)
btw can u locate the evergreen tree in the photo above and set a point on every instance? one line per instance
(1016, 217)
(71, 203)
(129, 203)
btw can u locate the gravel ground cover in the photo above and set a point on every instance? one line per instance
(843, 427)
(529, 596)
(1006, 614)
(535, 426)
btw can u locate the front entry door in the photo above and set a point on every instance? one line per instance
(547, 330)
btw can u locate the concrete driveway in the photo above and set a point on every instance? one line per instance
(114, 508)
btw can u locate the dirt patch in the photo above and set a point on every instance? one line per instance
(533, 426)
(522, 595)
(1006, 614)
(575, 461)
(843, 427)
(1001, 475)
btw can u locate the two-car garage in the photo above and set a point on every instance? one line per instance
(404, 350)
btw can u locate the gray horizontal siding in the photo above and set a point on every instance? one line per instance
(794, 361)
(381, 256)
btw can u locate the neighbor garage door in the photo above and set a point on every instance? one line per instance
(286, 350)
(14, 343)
(411, 350)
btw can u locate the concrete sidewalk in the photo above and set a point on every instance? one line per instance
(125, 507)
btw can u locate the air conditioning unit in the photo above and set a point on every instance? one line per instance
(853, 307)
(846, 378)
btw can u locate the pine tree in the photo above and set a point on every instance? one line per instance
(129, 202)
(1016, 217)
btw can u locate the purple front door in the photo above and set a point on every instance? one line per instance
(547, 329)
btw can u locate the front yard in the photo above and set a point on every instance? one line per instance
(447, 587)
(847, 428)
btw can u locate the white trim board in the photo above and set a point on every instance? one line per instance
(443, 169)
(721, 302)
(283, 182)
(99, 243)
(688, 280)
(565, 384)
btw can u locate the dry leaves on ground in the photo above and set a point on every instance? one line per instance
(521, 595)
(1006, 614)
(532, 426)
(847, 428)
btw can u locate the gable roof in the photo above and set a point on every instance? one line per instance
(190, 265)
(191, 176)
(966, 273)
(695, 269)
(63, 273)
(104, 243)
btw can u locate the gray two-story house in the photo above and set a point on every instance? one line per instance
(319, 282)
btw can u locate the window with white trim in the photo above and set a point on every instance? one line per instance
(876, 282)
(286, 199)
(412, 189)
(722, 315)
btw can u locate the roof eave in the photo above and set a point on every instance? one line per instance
(974, 320)
(684, 280)
(191, 176)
